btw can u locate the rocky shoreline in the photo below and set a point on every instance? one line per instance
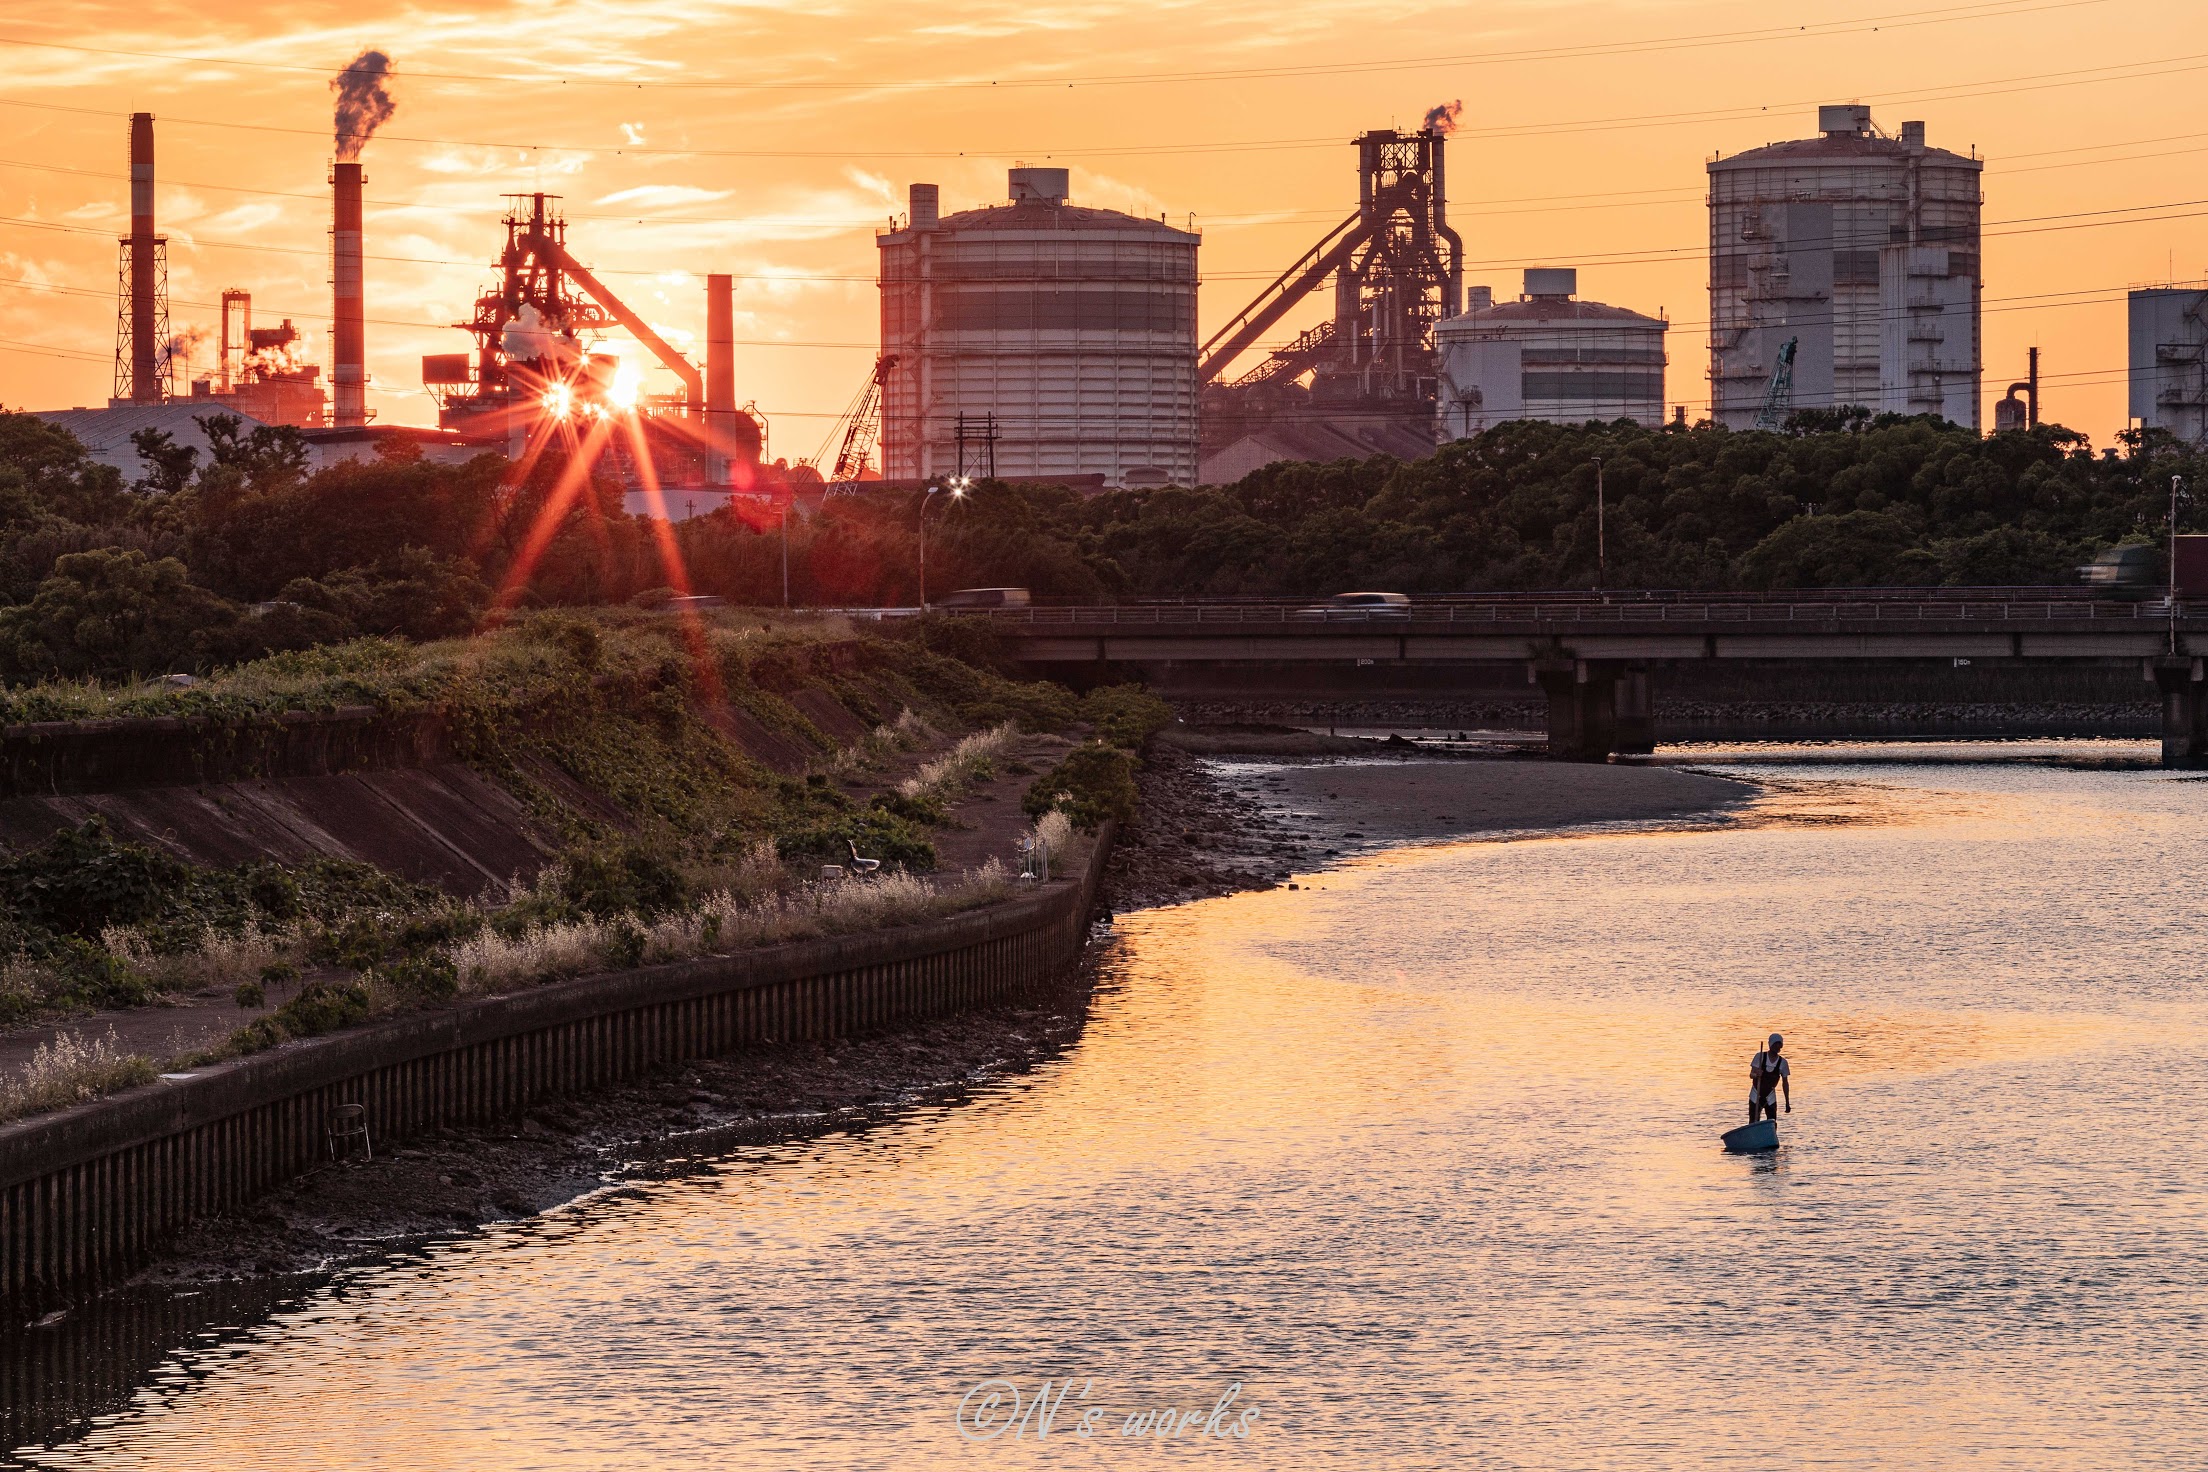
(1713, 720)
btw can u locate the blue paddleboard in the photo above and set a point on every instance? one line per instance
(1750, 1138)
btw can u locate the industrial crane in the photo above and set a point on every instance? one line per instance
(1779, 397)
(859, 427)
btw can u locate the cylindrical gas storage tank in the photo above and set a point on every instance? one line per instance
(1861, 248)
(1038, 338)
(1548, 356)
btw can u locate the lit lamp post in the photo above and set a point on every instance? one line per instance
(957, 492)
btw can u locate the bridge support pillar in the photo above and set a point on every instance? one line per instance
(2184, 710)
(1583, 710)
(1636, 713)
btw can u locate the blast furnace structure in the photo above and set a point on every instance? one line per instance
(1863, 251)
(1038, 338)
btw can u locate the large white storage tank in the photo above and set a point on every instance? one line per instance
(1864, 249)
(2169, 360)
(1038, 338)
(1548, 356)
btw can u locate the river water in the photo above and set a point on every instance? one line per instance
(1413, 1167)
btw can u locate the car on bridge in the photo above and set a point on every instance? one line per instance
(1359, 608)
(985, 598)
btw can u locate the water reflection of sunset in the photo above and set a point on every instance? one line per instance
(1423, 1155)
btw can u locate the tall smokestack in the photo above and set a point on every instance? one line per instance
(349, 328)
(364, 104)
(147, 373)
(720, 374)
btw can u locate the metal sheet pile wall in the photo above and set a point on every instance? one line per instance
(88, 1193)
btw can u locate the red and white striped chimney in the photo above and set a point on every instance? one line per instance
(348, 334)
(147, 371)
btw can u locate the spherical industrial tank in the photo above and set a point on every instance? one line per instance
(1548, 356)
(1863, 249)
(1038, 338)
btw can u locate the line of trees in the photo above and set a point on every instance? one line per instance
(203, 563)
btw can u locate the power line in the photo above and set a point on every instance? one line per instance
(1814, 30)
(2037, 81)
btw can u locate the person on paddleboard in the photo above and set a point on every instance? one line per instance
(1767, 1075)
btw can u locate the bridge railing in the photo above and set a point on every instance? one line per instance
(1590, 610)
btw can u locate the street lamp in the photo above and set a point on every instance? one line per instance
(956, 490)
(2177, 494)
(1602, 553)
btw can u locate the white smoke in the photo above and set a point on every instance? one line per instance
(531, 338)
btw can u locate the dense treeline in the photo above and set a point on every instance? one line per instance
(1895, 502)
(200, 564)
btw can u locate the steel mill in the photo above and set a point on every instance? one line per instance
(2169, 360)
(1859, 249)
(1038, 338)
(536, 362)
(1548, 356)
(1361, 382)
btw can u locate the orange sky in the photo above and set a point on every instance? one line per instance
(771, 140)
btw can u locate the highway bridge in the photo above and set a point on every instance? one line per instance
(1595, 655)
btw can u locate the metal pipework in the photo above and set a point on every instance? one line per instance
(348, 334)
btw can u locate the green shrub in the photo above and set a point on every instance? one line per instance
(1093, 783)
(878, 833)
(251, 994)
(322, 1007)
(625, 947)
(1125, 715)
(424, 978)
(357, 943)
(92, 976)
(84, 879)
(624, 879)
(926, 809)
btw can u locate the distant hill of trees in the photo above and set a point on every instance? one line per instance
(207, 563)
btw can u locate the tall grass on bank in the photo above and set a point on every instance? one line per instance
(973, 760)
(69, 1070)
(909, 732)
(721, 923)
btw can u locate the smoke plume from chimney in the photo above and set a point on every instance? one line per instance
(180, 347)
(364, 104)
(1442, 118)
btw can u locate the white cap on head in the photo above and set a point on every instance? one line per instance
(1776, 1040)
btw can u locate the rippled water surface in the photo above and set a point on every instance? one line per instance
(1424, 1159)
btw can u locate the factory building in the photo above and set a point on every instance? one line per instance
(2169, 361)
(1862, 250)
(1038, 338)
(1548, 356)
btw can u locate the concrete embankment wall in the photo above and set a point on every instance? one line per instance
(87, 1194)
(382, 788)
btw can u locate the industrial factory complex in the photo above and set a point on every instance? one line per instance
(1038, 338)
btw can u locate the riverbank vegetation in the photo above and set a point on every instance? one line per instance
(711, 786)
